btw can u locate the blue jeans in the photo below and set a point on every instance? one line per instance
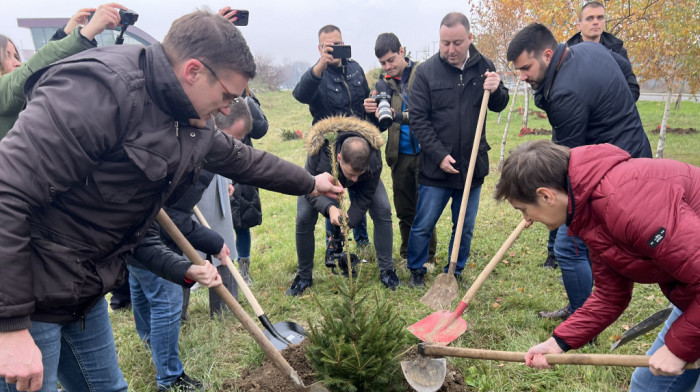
(431, 202)
(243, 242)
(82, 359)
(643, 380)
(157, 305)
(572, 256)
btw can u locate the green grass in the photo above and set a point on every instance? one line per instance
(501, 317)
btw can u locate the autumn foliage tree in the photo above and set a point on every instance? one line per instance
(661, 36)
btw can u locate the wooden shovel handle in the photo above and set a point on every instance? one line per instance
(468, 183)
(231, 302)
(492, 264)
(236, 275)
(552, 359)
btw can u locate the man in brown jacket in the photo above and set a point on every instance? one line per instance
(83, 179)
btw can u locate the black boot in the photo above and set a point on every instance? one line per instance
(551, 261)
(417, 279)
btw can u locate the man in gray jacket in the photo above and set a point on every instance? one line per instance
(83, 179)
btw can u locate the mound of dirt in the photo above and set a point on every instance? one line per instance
(267, 378)
(679, 131)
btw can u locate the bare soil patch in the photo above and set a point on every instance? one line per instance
(678, 131)
(267, 378)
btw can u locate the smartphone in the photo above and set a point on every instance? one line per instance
(241, 18)
(341, 51)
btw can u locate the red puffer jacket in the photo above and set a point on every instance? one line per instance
(640, 219)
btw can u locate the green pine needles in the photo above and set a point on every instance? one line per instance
(357, 344)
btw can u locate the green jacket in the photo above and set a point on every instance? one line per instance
(12, 84)
(394, 131)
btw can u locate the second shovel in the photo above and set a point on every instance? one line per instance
(282, 333)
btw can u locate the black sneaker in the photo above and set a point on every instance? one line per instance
(389, 278)
(299, 285)
(417, 279)
(184, 383)
(562, 313)
(551, 261)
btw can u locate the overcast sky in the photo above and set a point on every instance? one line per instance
(282, 29)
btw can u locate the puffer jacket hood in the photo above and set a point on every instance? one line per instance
(342, 127)
(586, 172)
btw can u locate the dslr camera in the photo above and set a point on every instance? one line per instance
(383, 100)
(335, 256)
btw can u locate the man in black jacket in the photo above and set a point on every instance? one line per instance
(445, 99)
(591, 26)
(334, 87)
(359, 163)
(587, 101)
(83, 189)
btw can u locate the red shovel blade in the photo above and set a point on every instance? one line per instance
(440, 328)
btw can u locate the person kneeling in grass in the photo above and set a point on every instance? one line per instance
(640, 219)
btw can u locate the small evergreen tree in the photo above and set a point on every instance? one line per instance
(356, 345)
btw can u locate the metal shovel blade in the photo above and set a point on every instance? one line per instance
(286, 333)
(440, 328)
(643, 327)
(425, 374)
(441, 294)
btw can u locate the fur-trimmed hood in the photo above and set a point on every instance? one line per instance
(340, 125)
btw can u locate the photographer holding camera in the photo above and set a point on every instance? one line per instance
(390, 106)
(335, 86)
(359, 160)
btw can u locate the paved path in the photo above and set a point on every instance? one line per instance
(662, 97)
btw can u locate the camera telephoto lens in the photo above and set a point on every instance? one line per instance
(384, 114)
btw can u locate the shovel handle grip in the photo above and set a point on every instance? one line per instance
(468, 183)
(552, 359)
(231, 302)
(493, 263)
(236, 275)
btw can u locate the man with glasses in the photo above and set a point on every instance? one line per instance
(83, 179)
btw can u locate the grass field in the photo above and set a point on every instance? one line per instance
(502, 316)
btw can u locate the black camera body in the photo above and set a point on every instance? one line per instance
(336, 256)
(386, 118)
(128, 17)
(341, 51)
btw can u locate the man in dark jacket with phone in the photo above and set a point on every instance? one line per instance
(335, 86)
(83, 179)
(445, 99)
(587, 101)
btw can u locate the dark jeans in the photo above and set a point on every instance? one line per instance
(404, 175)
(572, 256)
(379, 211)
(431, 202)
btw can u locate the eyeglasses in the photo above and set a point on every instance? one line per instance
(232, 98)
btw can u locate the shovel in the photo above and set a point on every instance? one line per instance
(281, 334)
(428, 374)
(444, 288)
(643, 327)
(247, 322)
(442, 327)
